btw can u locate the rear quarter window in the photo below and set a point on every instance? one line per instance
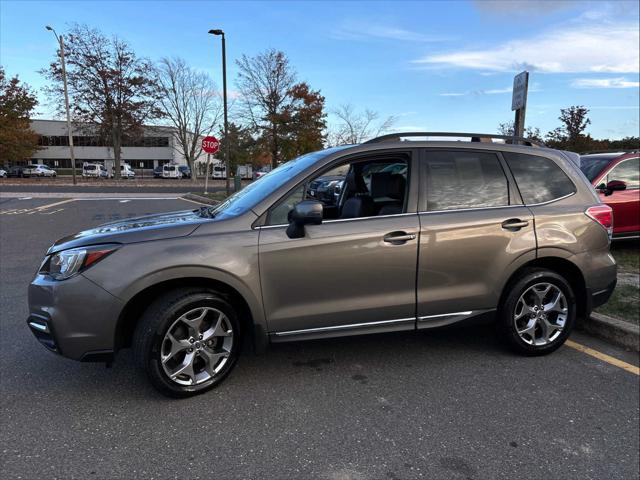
(539, 179)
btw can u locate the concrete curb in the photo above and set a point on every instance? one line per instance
(199, 198)
(616, 331)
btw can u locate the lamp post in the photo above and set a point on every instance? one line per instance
(66, 102)
(224, 95)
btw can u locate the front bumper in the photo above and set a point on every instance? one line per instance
(75, 318)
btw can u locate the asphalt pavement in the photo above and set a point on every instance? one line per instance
(447, 404)
(168, 186)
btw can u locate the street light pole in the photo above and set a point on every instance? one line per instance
(224, 96)
(66, 102)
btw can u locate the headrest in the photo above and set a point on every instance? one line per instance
(387, 184)
(355, 183)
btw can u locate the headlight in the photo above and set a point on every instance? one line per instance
(67, 263)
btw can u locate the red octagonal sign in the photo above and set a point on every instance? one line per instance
(210, 144)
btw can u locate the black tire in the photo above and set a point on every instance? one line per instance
(159, 317)
(511, 297)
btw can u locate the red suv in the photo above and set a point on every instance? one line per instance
(616, 177)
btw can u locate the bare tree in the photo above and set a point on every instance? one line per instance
(356, 127)
(191, 102)
(265, 82)
(110, 88)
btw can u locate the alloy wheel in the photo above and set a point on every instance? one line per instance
(197, 346)
(540, 314)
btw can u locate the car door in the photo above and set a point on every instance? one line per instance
(625, 203)
(345, 276)
(473, 231)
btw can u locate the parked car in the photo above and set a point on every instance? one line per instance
(157, 172)
(244, 171)
(185, 171)
(470, 231)
(15, 171)
(171, 171)
(38, 171)
(96, 170)
(616, 176)
(326, 189)
(260, 173)
(219, 171)
(125, 171)
(3, 173)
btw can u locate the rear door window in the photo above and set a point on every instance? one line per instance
(539, 179)
(465, 179)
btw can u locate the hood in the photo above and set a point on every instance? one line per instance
(140, 229)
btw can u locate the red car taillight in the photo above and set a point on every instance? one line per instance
(603, 215)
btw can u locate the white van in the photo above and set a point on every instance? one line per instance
(245, 171)
(126, 171)
(171, 171)
(96, 170)
(219, 171)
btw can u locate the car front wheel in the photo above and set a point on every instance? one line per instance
(538, 312)
(187, 341)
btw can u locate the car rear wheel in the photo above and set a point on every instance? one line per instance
(187, 341)
(538, 312)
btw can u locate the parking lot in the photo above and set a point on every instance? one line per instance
(436, 404)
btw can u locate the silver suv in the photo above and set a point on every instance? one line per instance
(422, 234)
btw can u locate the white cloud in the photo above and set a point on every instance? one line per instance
(498, 90)
(575, 48)
(370, 30)
(492, 91)
(619, 82)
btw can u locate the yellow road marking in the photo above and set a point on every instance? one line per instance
(604, 357)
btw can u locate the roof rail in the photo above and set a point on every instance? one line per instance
(621, 151)
(475, 137)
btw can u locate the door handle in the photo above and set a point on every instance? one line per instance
(514, 224)
(397, 238)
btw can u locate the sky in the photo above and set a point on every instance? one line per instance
(434, 65)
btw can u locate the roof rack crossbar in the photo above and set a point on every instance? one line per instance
(475, 137)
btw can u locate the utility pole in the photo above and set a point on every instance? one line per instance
(66, 102)
(224, 95)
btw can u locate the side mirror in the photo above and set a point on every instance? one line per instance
(616, 185)
(307, 212)
(612, 186)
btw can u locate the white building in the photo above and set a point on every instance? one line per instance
(157, 147)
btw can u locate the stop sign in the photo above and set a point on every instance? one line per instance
(210, 144)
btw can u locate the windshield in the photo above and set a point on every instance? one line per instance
(258, 190)
(591, 166)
